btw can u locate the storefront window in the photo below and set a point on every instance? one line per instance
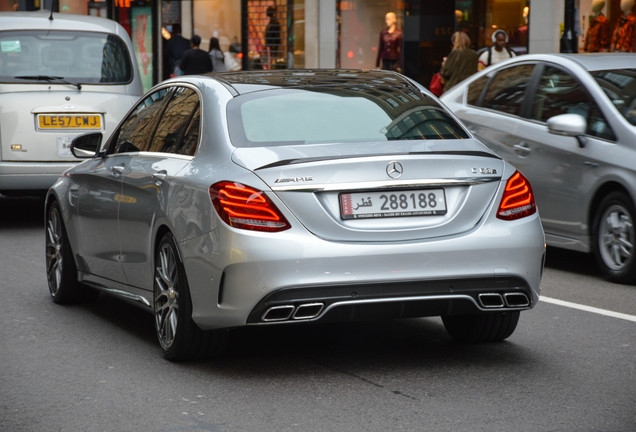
(217, 18)
(481, 18)
(360, 23)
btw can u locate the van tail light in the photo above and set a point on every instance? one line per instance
(518, 199)
(243, 207)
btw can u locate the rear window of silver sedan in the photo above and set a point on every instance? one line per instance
(328, 114)
(79, 57)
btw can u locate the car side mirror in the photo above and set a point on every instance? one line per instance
(87, 145)
(573, 125)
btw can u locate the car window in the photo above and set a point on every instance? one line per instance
(77, 56)
(475, 89)
(335, 115)
(620, 87)
(191, 137)
(508, 88)
(558, 93)
(138, 126)
(174, 122)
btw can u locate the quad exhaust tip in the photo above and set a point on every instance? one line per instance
(491, 300)
(304, 311)
(308, 311)
(498, 301)
(516, 300)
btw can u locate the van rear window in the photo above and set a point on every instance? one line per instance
(53, 56)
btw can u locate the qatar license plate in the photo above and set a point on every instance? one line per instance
(365, 205)
(69, 121)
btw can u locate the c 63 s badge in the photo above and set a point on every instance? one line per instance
(484, 171)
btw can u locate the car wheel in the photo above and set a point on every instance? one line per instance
(179, 336)
(485, 327)
(61, 272)
(613, 238)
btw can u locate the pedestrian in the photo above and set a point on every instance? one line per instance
(461, 62)
(195, 61)
(217, 56)
(498, 52)
(174, 48)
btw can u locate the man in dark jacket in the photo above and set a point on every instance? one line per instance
(195, 61)
(174, 48)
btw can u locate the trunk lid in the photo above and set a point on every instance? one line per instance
(310, 179)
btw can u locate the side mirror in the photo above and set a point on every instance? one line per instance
(87, 145)
(567, 124)
(573, 125)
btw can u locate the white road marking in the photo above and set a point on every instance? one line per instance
(586, 308)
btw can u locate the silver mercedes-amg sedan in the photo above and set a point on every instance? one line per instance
(282, 197)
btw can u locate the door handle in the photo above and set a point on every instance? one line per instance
(522, 149)
(159, 177)
(118, 170)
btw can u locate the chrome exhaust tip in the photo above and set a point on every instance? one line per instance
(278, 313)
(308, 311)
(516, 300)
(491, 300)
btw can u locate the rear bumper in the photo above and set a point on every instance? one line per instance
(388, 300)
(16, 176)
(235, 277)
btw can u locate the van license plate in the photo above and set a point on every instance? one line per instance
(420, 202)
(69, 121)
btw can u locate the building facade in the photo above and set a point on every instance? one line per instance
(271, 34)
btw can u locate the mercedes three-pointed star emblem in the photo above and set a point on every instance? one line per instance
(394, 169)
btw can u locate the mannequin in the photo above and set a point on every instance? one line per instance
(597, 37)
(390, 48)
(624, 38)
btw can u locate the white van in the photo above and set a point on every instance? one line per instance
(59, 78)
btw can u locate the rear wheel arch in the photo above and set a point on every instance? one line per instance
(602, 192)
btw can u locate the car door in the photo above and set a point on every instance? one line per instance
(99, 193)
(493, 112)
(148, 184)
(560, 170)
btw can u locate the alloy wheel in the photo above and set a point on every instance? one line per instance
(166, 296)
(54, 252)
(616, 237)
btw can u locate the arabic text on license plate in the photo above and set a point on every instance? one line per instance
(421, 202)
(69, 121)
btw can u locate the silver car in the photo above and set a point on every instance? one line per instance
(568, 122)
(61, 75)
(287, 197)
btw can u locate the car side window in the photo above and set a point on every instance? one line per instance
(191, 137)
(174, 132)
(475, 89)
(134, 131)
(559, 92)
(508, 88)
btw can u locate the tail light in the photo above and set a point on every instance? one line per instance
(518, 199)
(243, 207)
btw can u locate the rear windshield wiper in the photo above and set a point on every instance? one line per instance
(49, 78)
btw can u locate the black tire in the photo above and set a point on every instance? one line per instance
(484, 327)
(613, 238)
(178, 335)
(61, 272)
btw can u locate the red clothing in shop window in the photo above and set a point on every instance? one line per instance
(598, 36)
(624, 39)
(390, 47)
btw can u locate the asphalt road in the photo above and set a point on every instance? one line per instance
(97, 367)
